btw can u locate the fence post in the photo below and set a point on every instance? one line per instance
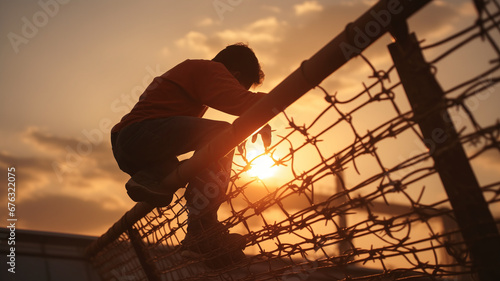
(426, 97)
(142, 255)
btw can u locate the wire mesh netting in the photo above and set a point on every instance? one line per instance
(348, 190)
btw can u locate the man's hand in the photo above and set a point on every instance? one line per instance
(265, 134)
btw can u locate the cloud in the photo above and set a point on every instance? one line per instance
(206, 22)
(66, 178)
(44, 141)
(63, 213)
(282, 42)
(273, 9)
(307, 7)
(90, 154)
(262, 31)
(489, 162)
(31, 169)
(446, 18)
(195, 42)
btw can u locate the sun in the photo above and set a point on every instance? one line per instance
(262, 165)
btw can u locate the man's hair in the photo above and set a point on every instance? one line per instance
(239, 57)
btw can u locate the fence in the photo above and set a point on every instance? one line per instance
(376, 184)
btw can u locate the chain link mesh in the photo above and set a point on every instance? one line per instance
(354, 194)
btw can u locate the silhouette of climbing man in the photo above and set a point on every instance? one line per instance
(166, 122)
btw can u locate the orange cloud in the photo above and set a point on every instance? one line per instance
(62, 188)
(307, 7)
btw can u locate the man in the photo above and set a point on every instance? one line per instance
(166, 122)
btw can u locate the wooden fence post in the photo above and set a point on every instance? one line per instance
(430, 112)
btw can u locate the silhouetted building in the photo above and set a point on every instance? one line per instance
(45, 256)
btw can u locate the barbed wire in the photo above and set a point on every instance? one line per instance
(359, 211)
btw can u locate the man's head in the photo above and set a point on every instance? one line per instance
(241, 61)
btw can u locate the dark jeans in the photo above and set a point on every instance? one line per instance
(152, 146)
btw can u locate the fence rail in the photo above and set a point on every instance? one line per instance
(358, 212)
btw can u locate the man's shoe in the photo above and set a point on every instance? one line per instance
(142, 188)
(219, 250)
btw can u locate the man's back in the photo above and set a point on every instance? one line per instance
(187, 90)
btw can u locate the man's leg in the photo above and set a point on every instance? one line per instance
(138, 147)
(140, 152)
(206, 192)
(163, 138)
(205, 235)
(148, 149)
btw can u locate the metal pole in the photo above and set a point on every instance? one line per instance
(430, 112)
(142, 254)
(343, 246)
(123, 224)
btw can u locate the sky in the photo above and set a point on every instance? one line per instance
(70, 69)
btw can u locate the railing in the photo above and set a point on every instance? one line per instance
(324, 218)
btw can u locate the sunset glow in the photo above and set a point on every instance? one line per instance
(97, 69)
(262, 165)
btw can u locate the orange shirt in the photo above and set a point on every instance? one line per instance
(189, 89)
